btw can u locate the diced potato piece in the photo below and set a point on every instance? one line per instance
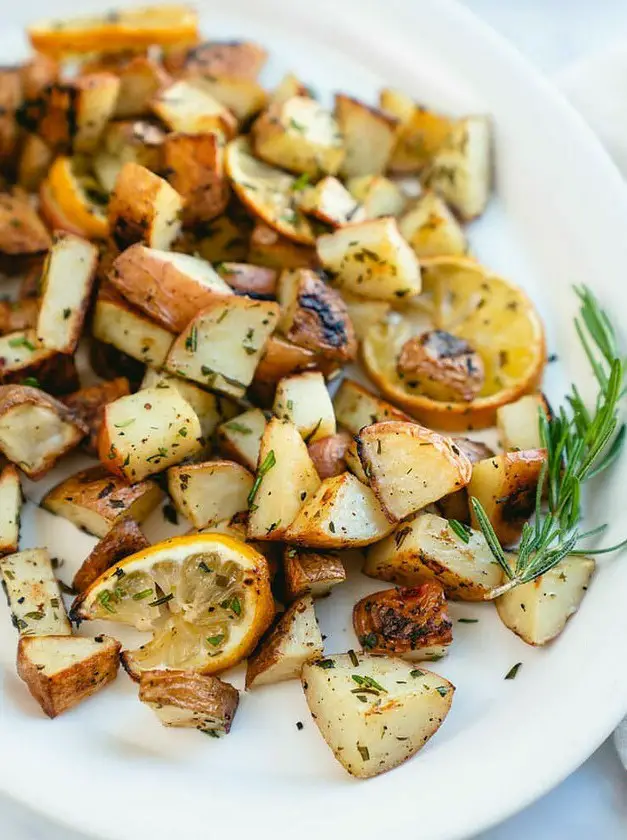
(370, 733)
(35, 429)
(369, 136)
(286, 478)
(371, 260)
(409, 467)
(62, 671)
(519, 422)
(37, 74)
(18, 315)
(354, 464)
(310, 573)
(222, 345)
(304, 400)
(301, 136)
(461, 169)
(189, 699)
(116, 322)
(356, 407)
(281, 358)
(410, 622)
(237, 59)
(11, 98)
(420, 132)
(170, 288)
(10, 508)
(328, 454)
(21, 360)
(256, 281)
(506, 486)
(538, 611)
(294, 640)
(365, 313)
(428, 549)
(141, 78)
(289, 86)
(194, 166)
(146, 432)
(189, 106)
(124, 539)
(240, 437)
(34, 595)
(313, 315)
(243, 97)
(143, 208)
(455, 505)
(269, 248)
(22, 233)
(223, 238)
(95, 500)
(377, 195)
(34, 162)
(135, 141)
(64, 304)
(330, 202)
(210, 492)
(431, 229)
(344, 513)
(89, 404)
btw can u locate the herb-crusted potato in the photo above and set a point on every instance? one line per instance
(400, 708)
(431, 229)
(240, 437)
(304, 400)
(210, 492)
(455, 505)
(189, 699)
(428, 549)
(371, 259)
(236, 59)
(328, 454)
(124, 539)
(369, 136)
(311, 572)
(224, 238)
(356, 407)
(377, 195)
(33, 593)
(188, 106)
(62, 671)
(294, 640)
(21, 360)
(89, 404)
(95, 500)
(408, 466)
(519, 422)
(146, 432)
(10, 507)
(330, 202)
(420, 132)
(22, 233)
(194, 166)
(281, 358)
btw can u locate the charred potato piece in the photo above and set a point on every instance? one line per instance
(89, 404)
(410, 622)
(294, 640)
(443, 366)
(237, 59)
(369, 136)
(356, 407)
(95, 500)
(189, 106)
(23, 362)
(270, 249)
(303, 399)
(210, 492)
(19, 315)
(189, 699)
(256, 281)
(10, 508)
(194, 167)
(310, 573)
(240, 437)
(519, 422)
(124, 539)
(328, 454)
(62, 671)
(22, 233)
(431, 229)
(33, 594)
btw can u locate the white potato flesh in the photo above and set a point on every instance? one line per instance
(240, 437)
(538, 611)
(519, 423)
(431, 229)
(34, 595)
(369, 136)
(351, 456)
(401, 708)
(34, 436)
(377, 195)
(209, 492)
(330, 202)
(243, 97)
(189, 106)
(51, 657)
(305, 401)
(372, 260)
(130, 331)
(10, 507)
(356, 407)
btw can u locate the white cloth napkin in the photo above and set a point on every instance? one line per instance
(597, 87)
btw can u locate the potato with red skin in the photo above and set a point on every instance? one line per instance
(124, 539)
(256, 281)
(22, 233)
(443, 366)
(236, 59)
(89, 404)
(328, 454)
(410, 622)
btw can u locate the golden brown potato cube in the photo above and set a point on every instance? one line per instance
(519, 422)
(238, 59)
(194, 167)
(329, 454)
(243, 97)
(312, 573)
(22, 361)
(330, 202)
(141, 78)
(95, 500)
(431, 229)
(410, 622)
(240, 437)
(189, 699)
(420, 132)
(256, 281)
(269, 248)
(62, 671)
(143, 208)
(10, 101)
(303, 399)
(369, 136)
(22, 233)
(356, 407)
(34, 162)
(34, 594)
(442, 366)
(210, 492)
(89, 404)
(124, 539)
(10, 508)
(136, 141)
(189, 107)
(281, 358)
(455, 505)
(377, 195)
(18, 315)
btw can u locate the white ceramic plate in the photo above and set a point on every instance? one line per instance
(559, 218)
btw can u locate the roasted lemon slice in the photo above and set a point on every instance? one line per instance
(72, 200)
(497, 320)
(205, 597)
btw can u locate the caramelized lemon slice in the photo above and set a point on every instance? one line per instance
(73, 200)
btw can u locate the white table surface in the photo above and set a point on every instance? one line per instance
(592, 802)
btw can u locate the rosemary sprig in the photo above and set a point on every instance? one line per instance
(580, 444)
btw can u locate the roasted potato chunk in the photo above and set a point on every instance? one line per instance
(256, 281)
(189, 699)
(22, 233)
(10, 509)
(141, 78)
(124, 141)
(240, 437)
(431, 229)
(419, 135)
(124, 539)
(10, 102)
(34, 162)
(303, 399)
(34, 595)
(289, 86)
(89, 404)
(455, 505)
(443, 366)
(19, 315)
(188, 106)
(410, 622)
(328, 454)
(237, 59)
(310, 573)
(356, 407)
(194, 166)
(281, 358)
(377, 196)
(369, 136)
(22, 361)
(210, 492)
(330, 202)
(269, 248)
(519, 422)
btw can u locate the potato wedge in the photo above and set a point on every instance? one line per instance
(369, 136)
(371, 260)
(506, 486)
(64, 305)
(311, 573)
(35, 429)
(146, 432)
(538, 611)
(314, 316)
(124, 539)
(236, 59)
(170, 288)
(34, 162)
(519, 422)
(189, 106)
(10, 509)
(269, 248)
(210, 492)
(22, 361)
(294, 640)
(409, 467)
(194, 167)
(285, 479)
(256, 281)
(410, 622)
(240, 437)
(377, 195)
(428, 549)
(343, 513)
(431, 229)
(356, 407)
(89, 404)
(303, 399)
(189, 699)
(22, 233)
(33, 594)
(141, 78)
(221, 347)
(328, 454)
(95, 500)
(143, 208)
(330, 202)
(370, 733)
(420, 133)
